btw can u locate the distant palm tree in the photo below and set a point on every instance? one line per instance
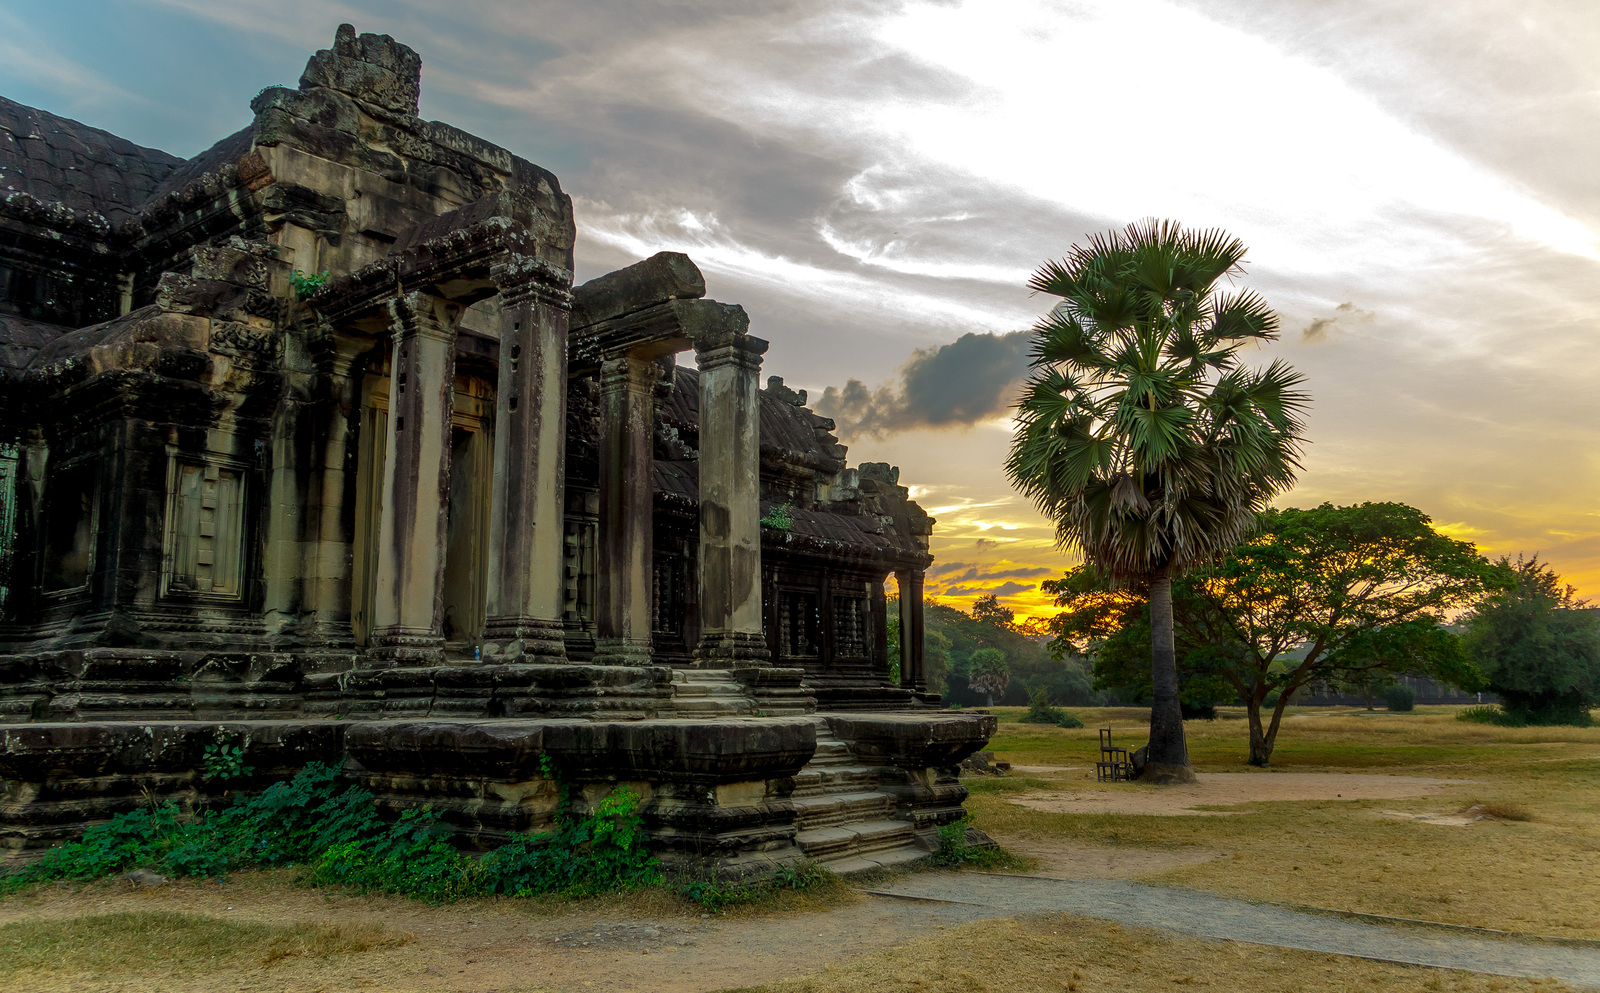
(1140, 434)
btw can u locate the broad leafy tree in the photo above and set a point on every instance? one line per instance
(1340, 595)
(1538, 647)
(1141, 434)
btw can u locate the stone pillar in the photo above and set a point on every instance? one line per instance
(913, 674)
(328, 561)
(526, 519)
(627, 461)
(730, 500)
(408, 604)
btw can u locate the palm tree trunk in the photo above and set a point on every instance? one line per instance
(1168, 758)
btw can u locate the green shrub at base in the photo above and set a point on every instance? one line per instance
(340, 837)
(1039, 709)
(1068, 721)
(1400, 697)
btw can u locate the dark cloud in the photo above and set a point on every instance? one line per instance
(1004, 589)
(1344, 315)
(972, 378)
(971, 573)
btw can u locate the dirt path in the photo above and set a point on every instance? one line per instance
(1207, 916)
(503, 946)
(1228, 789)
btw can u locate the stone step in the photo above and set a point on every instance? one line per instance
(836, 809)
(861, 840)
(709, 693)
(812, 781)
(850, 864)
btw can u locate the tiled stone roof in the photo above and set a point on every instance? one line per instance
(58, 160)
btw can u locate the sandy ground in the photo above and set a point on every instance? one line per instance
(498, 945)
(504, 945)
(1229, 789)
(1071, 860)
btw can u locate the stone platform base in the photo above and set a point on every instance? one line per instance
(114, 684)
(722, 797)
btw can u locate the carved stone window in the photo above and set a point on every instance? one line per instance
(850, 626)
(799, 635)
(205, 530)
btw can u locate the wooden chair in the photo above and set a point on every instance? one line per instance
(1115, 765)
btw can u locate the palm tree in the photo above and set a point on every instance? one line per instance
(1141, 435)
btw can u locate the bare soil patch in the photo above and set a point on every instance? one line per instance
(1059, 859)
(480, 945)
(1230, 789)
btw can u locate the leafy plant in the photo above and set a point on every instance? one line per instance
(955, 851)
(306, 284)
(1068, 721)
(224, 761)
(716, 895)
(778, 518)
(310, 821)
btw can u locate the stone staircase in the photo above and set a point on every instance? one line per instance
(709, 693)
(844, 822)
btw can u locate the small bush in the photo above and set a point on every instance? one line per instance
(715, 896)
(1068, 721)
(956, 852)
(1039, 709)
(1484, 715)
(1400, 697)
(1521, 718)
(307, 284)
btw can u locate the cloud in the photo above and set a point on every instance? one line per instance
(972, 573)
(971, 379)
(1004, 589)
(1321, 327)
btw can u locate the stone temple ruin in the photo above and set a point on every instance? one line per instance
(440, 517)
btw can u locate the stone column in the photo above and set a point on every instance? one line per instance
(526, 519)
(328, 561)
(627, 460)
(408, 604)
(913, 674)
(730, 500)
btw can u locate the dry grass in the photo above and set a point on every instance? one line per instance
(1061, 952)
(1534, 866)
(154, 943)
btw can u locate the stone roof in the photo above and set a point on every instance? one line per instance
(59, 160)
(786, 427)
(22, 339)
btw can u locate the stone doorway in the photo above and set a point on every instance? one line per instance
(465, 586)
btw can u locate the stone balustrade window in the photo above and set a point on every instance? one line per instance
(850, 626)
(799, 634)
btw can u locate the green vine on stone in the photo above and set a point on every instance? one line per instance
(778, 518)
(224, 761)
(307, 284)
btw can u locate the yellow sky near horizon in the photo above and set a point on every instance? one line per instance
(985, 527)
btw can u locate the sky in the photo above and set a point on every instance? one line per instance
(874, 182)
